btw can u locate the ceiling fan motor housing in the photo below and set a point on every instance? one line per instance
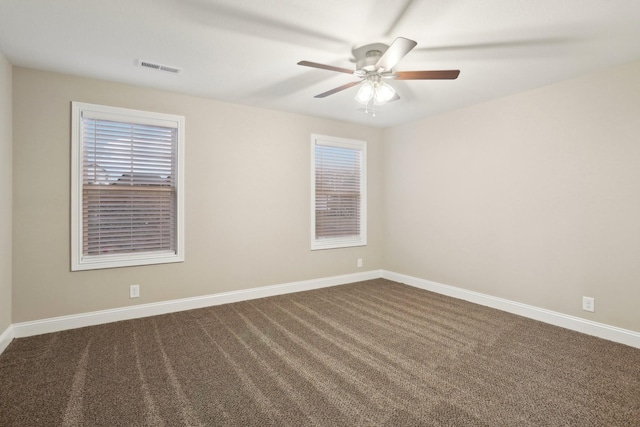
(367, 56)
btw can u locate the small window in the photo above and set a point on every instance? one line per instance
(339, 192)
(126, 184)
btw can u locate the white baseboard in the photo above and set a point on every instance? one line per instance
(6, 337)
(55, 324)
(25, 329)
(601, 330)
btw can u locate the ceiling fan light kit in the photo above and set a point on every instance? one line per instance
(376, 90)
(376, 93)
(375, 62)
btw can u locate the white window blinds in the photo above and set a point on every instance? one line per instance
(128, 173)
(339, 218)
(128, 187)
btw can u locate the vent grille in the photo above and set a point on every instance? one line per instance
(159, 67)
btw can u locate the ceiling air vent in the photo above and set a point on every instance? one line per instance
(159, 67)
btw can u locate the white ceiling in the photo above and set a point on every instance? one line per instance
(245, 51)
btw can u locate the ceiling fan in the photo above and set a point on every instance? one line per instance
(374, 64)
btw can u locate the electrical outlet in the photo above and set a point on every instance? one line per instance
(359, 262)
(588, 304)
(134, 291)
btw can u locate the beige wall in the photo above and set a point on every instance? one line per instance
(6, 123)
(534, 197)
(247, 200)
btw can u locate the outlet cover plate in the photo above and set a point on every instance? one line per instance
(134, 291)
(588, 304)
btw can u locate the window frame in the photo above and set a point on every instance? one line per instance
(342, 241)
(79, 262)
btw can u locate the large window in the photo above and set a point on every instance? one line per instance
(127, 179)
(339, 192)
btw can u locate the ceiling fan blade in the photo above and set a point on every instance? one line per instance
(427, 75)
(399, 18)
(398, 49)
(325, 67)
(338, 89)
(506, 44)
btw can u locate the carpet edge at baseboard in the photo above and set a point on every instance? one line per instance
(61, 323)
(578, 324)
(55, 324)
(6, 337)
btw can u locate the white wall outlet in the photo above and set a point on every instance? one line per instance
(588, 304)
(359, 262)
(134, 291)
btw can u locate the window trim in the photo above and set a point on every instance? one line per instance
(78, 261)
(339, 242)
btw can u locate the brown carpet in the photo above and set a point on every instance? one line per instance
(374, 353)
